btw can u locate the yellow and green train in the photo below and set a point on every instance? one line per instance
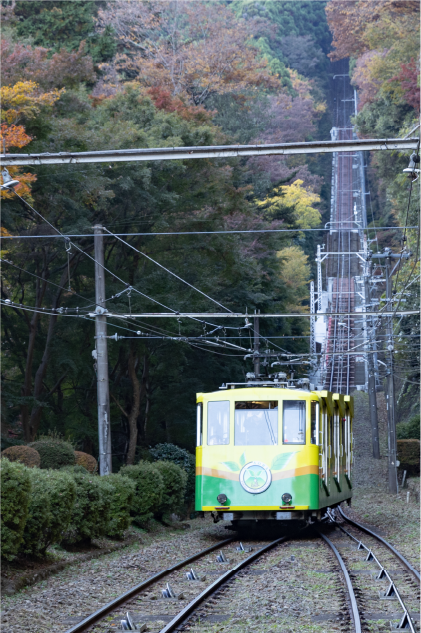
(270, 453)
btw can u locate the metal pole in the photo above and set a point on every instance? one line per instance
(211, 151)
(312, 320)
(103, 393)
(256, 347)
(371, 380)
(390, 389)
(319, 278)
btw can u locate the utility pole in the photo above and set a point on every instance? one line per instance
(103, 391)
(390, 386)
(312, 321)
(256, 347)
(319, 278)
(372, 397)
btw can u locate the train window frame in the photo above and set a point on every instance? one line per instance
(325, 442)
(273, 428)
(199, 424)
(301, 402)
(208, 426)
(314, 422)
(336, 442)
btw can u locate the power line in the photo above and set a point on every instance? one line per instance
(168, 271)
(221, 232)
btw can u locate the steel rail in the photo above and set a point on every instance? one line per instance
(110, 606)
(406, 620)
(390, 547)
(212, 151)
(188, 609)
(355, 614)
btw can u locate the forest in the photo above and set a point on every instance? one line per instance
(91, 75)
(94, 75)
(381, 41)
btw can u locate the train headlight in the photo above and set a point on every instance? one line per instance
(222, 498)
(286, 497)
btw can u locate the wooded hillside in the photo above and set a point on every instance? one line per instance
(87, 75)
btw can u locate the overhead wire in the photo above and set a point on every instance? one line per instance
(174, 233)
(168, 271)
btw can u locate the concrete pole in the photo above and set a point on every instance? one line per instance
(390, 389)
(312, 322)
(319, 278)
(103, 392)
(371, 379)
(256, 347)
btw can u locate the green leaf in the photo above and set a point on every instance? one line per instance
(281, 460)
(242, 459)
(232, 466)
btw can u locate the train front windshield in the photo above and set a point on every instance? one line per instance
(256, 423)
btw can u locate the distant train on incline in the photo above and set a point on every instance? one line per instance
(272, 452)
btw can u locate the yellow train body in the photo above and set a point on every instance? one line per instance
(295, 460)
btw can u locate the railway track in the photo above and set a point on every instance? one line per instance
(331, 577)
(343, 241)
(380, 574)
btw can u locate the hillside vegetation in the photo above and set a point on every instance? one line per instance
(381, 39)
(101, 75)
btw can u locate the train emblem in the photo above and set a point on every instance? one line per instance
(255, 477)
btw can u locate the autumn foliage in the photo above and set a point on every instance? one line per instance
(21, 102)
(64, 69)
(194, 49)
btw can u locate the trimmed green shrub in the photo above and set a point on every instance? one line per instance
(175, 480)
(53, 494)
(149, 489)
(23, 454)
(15, 492)
(7, 442)
(121, 503)
(172, 453)
(55, 453)
(409, 430)
(90, 512)
(87, 461)
(408, 452)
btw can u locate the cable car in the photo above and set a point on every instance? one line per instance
(272, 452)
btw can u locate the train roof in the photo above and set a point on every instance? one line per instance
(343, 402)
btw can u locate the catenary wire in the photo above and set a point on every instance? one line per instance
(168, 271)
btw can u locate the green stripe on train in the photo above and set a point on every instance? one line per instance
(304, 490)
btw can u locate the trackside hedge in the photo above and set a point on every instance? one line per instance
(15, 491)
(87, 461)
(172, 453)
(90, 512)
(175, 480)
(149, 486)
(409, 430)
(408, 452)
(52, 498)
(24, 454)
(54, 453)
(122, 498)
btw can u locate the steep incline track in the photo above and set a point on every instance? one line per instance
(343, 241)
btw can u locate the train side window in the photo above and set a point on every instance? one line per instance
(218, 423)
(294, 422)
(314, 421)
(199, 424)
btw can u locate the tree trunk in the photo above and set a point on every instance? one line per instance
(35, 418)
(147, 394)
(27, 382)
(134, 412)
